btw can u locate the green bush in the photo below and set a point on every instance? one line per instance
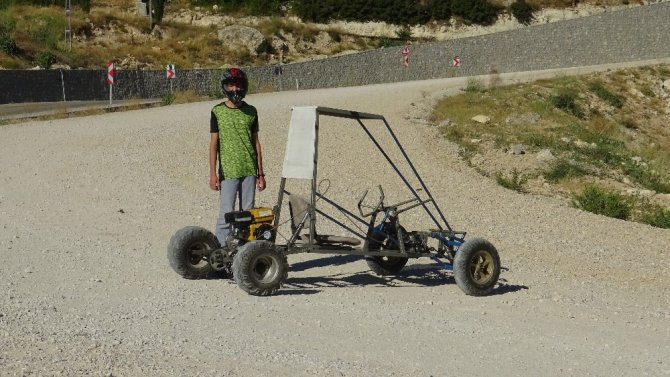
(389, 42)
(404, 33)
(646, 177)
(45, 59)
(606, 95)
(474, 11)
(398, 12)
(84, 4)
(309, 10)
(609, 151)
(474, 85)
(47, 30)
(656, 216)
(602, 202)
(522, 12)
(538, 139)
(8, 44)
(562, 169)
(168, 99)
(263, 7)
(566, 101)
(7, 23)
(514, 182)
(439, 9)
(648, 91)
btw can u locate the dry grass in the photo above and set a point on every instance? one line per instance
(602, 125)
(560, 4)
(105, 33)
(596, 128)
(113, 30)
(112, 3)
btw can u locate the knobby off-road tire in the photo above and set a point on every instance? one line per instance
(180, 252)
(476, 267)
(259, 269)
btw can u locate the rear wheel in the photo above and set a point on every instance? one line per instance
(477, 267)
(259, 269)
(188, 252)
(386, 265)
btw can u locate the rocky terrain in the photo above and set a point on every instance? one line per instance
(296, 41)
(88, 205)
(639, 120)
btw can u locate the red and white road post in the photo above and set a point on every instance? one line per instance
(111, 71)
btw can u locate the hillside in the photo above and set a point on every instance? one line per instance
(193, 37)
(600, 142)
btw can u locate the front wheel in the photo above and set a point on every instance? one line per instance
(188, 252)
(476, 267)
(259, 269)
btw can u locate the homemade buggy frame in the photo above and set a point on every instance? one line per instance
(259, 264)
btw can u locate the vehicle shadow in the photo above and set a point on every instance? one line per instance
(426, 275)
(503, 288)
(333, 260)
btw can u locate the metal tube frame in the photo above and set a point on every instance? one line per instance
(447, 237)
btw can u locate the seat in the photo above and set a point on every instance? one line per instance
(299, 210)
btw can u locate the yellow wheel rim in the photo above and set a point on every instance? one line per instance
(482, 266)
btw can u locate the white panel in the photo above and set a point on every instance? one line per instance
(299, 157)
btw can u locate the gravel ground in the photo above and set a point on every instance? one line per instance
(88, 205)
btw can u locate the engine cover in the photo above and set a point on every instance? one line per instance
(253, 224)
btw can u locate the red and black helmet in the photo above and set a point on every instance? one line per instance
(238, 77)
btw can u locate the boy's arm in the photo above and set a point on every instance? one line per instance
(213, 151)
(260, 179)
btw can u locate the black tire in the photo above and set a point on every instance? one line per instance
(259, 269)
(386, 265)
(181, 258)
(477, 267)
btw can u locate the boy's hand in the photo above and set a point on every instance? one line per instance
(260, 183)
(214, 183)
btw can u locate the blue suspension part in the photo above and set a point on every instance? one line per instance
(446, 266)
(451, 241)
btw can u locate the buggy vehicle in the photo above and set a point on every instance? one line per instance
(258, 262)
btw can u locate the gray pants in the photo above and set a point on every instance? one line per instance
(232, 189)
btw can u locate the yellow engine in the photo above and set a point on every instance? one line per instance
(253, 224)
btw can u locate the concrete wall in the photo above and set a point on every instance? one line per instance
(639, 33)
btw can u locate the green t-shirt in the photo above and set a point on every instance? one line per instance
(237, 155)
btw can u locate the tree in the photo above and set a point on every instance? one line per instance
(522, 12)
(474, 11)
(314, 10)
(439, 9)
(157, 9)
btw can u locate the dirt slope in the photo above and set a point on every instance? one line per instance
(87, 206)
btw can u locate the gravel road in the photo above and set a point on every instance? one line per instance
(88, 205)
